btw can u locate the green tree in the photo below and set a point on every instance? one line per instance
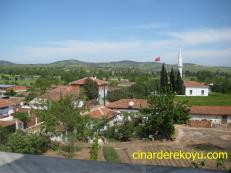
(163, 80)
(179, 84)
(181, 112)
(20, 142)
(159, 118)
(3, 135)
(60, 113)
(91, 89)
(121, 132)
(65, 116)
(44, 82)
(173, 80)
(94, 148)
(22, 116)
(10, 92)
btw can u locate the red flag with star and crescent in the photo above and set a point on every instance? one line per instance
(157, 59)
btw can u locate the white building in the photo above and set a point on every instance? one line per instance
(102, 87)
(214, 114)
(6, 110)
(193, 88)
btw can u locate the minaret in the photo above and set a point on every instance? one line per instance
(180, 63)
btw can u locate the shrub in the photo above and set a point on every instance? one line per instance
(110, 154)
(94, 149)
(21, 142)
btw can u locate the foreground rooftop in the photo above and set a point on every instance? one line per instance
(22, 163)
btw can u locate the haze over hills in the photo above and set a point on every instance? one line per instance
(2, 62)
(121, 64)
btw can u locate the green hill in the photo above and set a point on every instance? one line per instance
(145, 66)
(2, 62)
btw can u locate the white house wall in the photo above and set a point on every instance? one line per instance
(6, 111)
(229, 120)
(196, 91)
(101, 93)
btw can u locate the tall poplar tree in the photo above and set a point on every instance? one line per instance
(173, 80)
(163, 80)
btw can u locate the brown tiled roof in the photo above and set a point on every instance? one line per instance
(61, 91)
(194, 84)
(83, 80)
(15, 100)
(101, 112)
(210, 110)
(128, 104)
(5, 103)
(18, 88)
(7, 123)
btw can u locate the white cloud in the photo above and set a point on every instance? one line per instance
(203, 36)
(79, 47)
(153, 25)
(140, 50)
(209, 53)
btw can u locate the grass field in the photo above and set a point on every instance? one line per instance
(11, 79)
(110, 154)
(214, 99)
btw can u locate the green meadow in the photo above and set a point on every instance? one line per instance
(214, 99)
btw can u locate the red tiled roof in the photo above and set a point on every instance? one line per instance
(128, 104)
(61, 91)
(101, 112)
(4, 103)
(194, 84)
(83, 80)
(210, 110)
(15, 100)
(18, 88)
(6, 123)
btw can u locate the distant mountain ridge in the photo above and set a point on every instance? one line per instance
(2, 62)
(154, 66)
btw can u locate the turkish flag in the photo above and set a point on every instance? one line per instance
(157, 59)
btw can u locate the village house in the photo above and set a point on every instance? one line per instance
(102, 112)
(16, 101)
(18, 89)
(102, 87)
(60, 91)
(33, 125)
(3, 89)
(54, 94)
(217, 115)
(193, 88)
(6, 110)
(6, 115)
(15, 88)
(128, 105)
(9, 125)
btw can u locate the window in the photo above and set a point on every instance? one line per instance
(202, 92)
(190, 91)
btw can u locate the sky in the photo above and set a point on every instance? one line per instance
(44, 31)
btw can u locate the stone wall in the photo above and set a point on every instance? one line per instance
(197, 123)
